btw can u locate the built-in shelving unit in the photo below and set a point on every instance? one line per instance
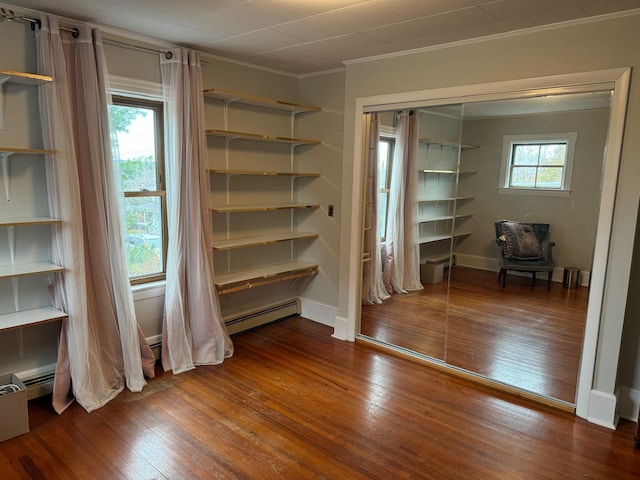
(15, 216)
(438, 201)
(237, 190)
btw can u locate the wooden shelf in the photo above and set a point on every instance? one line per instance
(261, 208)
(246, 279)
(443, 199)
(23, 270)
(440, 218)
(439, 238)
(446, 143)
(262, 240)
(262, 173)
(230, 96)
(20, 221)
(447, 172)
(26, 318)
(231, 135)
(25, 151)
(23, 78)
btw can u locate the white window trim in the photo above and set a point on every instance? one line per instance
(507, 148)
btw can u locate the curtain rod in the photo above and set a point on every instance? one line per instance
(118, 43)
(9, 16)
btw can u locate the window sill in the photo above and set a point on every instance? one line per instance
(534, 191)
(142, 291)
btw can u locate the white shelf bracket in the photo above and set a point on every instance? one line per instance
(15, 289)
(20, 341)
(11, 239)
(3, 80)
(4, 170)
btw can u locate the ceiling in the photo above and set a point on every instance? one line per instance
(306, 36)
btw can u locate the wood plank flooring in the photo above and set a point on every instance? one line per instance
(293, 403)
(522, 335)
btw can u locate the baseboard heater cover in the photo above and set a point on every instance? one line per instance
(262, 316)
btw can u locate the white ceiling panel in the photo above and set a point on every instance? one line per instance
(340, 22)
(259, 41)
(305, 36)
(434, 24)
(245, 17)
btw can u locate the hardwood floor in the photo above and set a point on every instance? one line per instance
(522, 335)
(293, 403)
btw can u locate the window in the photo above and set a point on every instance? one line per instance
(537, 163)
(137, 127)
(385, 158)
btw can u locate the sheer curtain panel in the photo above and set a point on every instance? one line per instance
(402, 263)
(102, 348)
(373, 290)
(193, 332)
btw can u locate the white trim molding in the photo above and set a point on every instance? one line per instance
(602, 409)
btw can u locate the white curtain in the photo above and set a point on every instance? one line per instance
(102, 349)
(193, 331)
(402, 263)
(373, 289)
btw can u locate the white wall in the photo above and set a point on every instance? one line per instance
(577, 48)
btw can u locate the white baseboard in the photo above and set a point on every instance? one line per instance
(318, 312)
(340, 328)
(492, 265)
(628, 403)
(602, 409)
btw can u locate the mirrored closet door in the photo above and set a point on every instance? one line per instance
(529, 160)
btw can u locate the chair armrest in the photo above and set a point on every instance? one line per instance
(547, 247)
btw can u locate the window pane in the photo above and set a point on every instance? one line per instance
(134, 129)
(523, 177)
(383, 198)
(525, 154)
(383, 164)
(549, 177)
(143, 239)
(553, 154)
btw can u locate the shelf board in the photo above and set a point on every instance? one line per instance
(26, 151)
(447, 143)
(261, 276)
(262, 173)
(449, 172)
(262, 240)
(261, 208)
(230, 96)
(24, 78)
(19, 221)
(443, 199)
(26, 318)
(231, 135)
(25, 269)
(438, 238)
(440, 218)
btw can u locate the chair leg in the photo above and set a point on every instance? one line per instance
(533, 281)
(502, 277)
(549, 274)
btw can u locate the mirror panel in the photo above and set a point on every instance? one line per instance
(522, 335)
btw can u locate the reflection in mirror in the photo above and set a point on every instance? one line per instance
(534, 160)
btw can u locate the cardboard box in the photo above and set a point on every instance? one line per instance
(14, 414)
(431, 273)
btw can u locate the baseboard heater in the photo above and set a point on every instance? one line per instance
(256, 318)
(39, 386)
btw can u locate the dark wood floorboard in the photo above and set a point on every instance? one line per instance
(294, 403)
(523, 335)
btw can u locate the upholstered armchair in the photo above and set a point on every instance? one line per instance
(524, 247)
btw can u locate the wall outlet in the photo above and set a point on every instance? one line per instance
(330, 210)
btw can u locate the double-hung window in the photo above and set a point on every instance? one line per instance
(386, 144)
(137, 126)
(537, 164)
